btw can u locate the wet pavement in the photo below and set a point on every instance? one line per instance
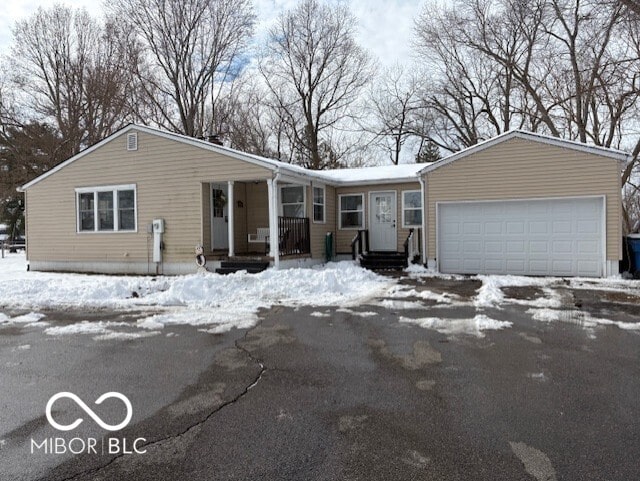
(344, 394)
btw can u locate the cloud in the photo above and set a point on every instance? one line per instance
(385, 28)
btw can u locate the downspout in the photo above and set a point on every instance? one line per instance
(425, 209)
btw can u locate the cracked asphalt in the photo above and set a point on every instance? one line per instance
(342, 396)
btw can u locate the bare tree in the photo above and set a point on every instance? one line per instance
(193, 47)
(74, 72)
(395, 110)
(568, 68)
(473, 96)
(633, 5)
(248, 122)
(315, 71)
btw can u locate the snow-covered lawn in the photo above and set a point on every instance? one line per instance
(215, 302)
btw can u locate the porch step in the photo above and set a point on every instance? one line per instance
(383, 261)
(252, 267)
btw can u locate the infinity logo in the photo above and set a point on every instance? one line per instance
(88, 410)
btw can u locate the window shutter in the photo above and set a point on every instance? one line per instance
(132, 141)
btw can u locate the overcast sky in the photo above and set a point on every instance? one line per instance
(385, 26)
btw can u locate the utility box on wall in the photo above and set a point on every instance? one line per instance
(158, 230)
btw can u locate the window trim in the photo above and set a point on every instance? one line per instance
(324, 204)
(340, 211)
(421, 208)
(304, 199)
(116, 210)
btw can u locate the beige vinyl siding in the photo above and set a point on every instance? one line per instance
(344, 236)
(170, 177)
(522, 169)
(257, 212)
(318, 230)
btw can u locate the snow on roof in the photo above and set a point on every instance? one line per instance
(381, 173)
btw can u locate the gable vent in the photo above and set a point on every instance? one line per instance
(132, 141)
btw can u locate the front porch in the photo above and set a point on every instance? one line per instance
(241, 218)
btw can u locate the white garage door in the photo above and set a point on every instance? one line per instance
(534, 237)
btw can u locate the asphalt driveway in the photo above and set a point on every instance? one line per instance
(346, 394)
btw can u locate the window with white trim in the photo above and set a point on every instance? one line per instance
(106, 209)
(292, 200)
(318, 204)
(351, 211)
(411, 208)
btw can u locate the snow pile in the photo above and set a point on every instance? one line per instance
(85, 327)
(418, 271)
(101, 330)
(335, 284)
(30, 319)
(234, 300)
(399, 292)
(210, 299)
(472, 327)
(490, 293)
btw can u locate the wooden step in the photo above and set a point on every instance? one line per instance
(383, 261)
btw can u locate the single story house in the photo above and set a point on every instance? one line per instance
(143, 199)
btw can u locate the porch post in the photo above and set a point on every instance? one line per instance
(274, 251)
(230, 226)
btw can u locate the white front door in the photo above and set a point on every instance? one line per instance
(383, 234)
(219, 217)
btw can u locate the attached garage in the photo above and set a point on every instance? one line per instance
(556, 237)
(525, 203)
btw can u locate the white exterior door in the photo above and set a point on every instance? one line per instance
(383, 211)
(219, 217)
(558, 237)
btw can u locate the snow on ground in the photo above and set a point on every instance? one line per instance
(546, 308)
(491, 294)
(473, 327)
(357, 313)
(579, 317)
(216, 302)
(441, 298)
(219, 303)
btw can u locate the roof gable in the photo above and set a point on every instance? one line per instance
(338, 177)
(617, 155)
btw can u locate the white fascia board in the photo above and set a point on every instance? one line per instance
(351, 183)
(521, 134)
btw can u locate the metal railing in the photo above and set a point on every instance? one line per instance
(294, 235)
(412, 245)
(360, 244)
